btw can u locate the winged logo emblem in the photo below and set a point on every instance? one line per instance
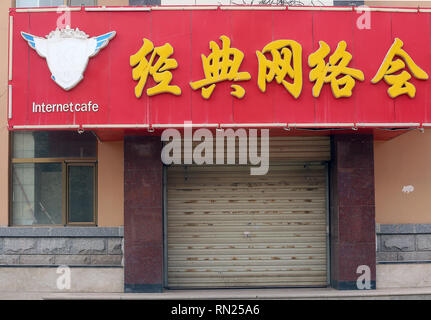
(67, 52)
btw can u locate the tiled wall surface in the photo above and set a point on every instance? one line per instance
(86, 246)
(399, 243)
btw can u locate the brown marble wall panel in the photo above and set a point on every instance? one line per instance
(143, 214)
(352, 209)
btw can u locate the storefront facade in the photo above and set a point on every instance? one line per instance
(89, 104)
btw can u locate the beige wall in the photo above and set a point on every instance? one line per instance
(4, 135)
(110, 167)
(110, 184)
(403, 161)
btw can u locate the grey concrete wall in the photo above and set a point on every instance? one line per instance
(42, 279)
(403, 275)
(403, 243)
(80, 246)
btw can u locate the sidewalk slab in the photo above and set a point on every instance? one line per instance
(233, 294)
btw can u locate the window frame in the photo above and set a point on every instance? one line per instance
(65, 163)
(65, 3)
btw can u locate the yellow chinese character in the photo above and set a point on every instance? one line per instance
(143, 68)
(330, 72)
(399, 83)
(220, 65)
(283, 52)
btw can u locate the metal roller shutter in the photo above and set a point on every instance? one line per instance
(227, 228)
(288, 149)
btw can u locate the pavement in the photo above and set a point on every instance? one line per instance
(234, 294)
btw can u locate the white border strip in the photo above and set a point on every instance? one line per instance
(98, 9)
(387, 125)
(115, 126)
(424, 10)
(184, 8)
(365, 9)
(10, 46)
(182, 125)
(253, 125)
(59, 9)
(320, 8)
(321, 125)
(253, 7)
(9, 112)
(74, 126)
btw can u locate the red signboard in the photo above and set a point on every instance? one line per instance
(106, 98)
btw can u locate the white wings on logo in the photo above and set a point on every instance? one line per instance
(67, 52)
